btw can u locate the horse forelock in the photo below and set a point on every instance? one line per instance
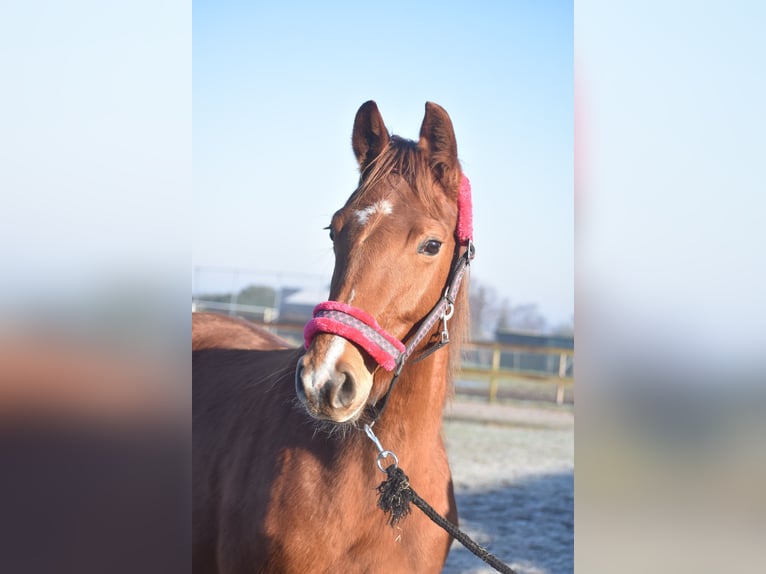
(405, 159)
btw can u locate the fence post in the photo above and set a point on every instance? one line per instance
(493, 377)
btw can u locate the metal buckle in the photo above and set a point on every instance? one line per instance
(446, 316)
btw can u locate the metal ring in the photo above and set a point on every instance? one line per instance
(385, 454)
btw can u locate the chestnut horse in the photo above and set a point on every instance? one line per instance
(284, 478)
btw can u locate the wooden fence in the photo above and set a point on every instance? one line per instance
(496, 362)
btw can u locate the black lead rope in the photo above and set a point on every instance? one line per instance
(394, 497)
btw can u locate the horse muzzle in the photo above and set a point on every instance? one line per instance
(332, 381)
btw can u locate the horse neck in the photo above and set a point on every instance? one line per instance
(414, 411)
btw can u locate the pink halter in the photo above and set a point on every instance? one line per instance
(358, 326)
(464, 229)
(355, 325)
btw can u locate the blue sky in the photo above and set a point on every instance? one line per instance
(275, 90)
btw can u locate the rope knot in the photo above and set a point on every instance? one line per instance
(395, 495)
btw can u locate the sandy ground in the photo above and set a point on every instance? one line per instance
(513, 469)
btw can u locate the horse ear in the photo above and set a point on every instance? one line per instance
(437, 140)
(370, 136)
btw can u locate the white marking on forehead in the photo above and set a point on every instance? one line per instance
(383, 207)
(351, 297)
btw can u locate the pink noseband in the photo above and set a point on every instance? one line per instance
(358, 326)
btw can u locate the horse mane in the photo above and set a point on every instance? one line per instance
(459, 326)
(404, 158)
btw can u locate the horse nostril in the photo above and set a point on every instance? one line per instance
(342, 391)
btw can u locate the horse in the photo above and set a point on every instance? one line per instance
(284, 479)
(214, 331)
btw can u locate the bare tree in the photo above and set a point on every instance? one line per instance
(503, 315)
(566, 328)
(527, 317)
(482, 301)
(490, 313)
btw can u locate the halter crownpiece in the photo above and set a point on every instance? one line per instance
(464, 229)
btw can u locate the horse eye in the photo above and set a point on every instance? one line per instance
(430, 247)
(332, 233)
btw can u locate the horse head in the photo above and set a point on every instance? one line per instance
(395, 242)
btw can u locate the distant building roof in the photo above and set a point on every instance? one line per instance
(305, 297)
(297, 306)
(534, 340)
